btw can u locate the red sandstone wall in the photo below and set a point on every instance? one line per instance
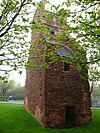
(65, 89)
(48, 92)
(35, 93)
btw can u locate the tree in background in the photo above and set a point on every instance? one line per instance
(5, 86)
(10, 88)
(94, 78)
(96, 94)
(17, 91)
(82, 21)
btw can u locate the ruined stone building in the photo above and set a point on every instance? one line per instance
(57, 96)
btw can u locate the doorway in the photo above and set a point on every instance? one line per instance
(70, 117)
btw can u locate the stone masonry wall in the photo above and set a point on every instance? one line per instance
(65, 89)
(34, 93)
(49, 91)
(35, 85)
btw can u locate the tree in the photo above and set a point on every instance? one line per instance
(94, 78)
(17, 91)
(85, 25)
(14, 26)
(6, 85)
(83, 22)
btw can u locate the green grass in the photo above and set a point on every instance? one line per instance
(15, 119)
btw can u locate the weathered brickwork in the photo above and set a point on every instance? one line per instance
(57, 98)
(66, 89)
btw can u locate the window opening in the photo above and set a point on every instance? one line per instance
(52, 32)
(66, 66)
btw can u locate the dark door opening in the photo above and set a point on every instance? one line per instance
(70, 117)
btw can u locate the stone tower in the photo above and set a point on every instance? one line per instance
(57, 96)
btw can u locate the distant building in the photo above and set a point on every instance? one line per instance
(57, 96)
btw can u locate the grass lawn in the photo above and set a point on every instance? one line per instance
(15, 119)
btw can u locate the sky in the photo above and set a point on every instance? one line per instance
(15, 75)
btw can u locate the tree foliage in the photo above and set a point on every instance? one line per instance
(85, 25)
(17, 91)
(14, 26)
(5, 86)
(83, 22)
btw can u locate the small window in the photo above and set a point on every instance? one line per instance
(66, 66)
(52, 32)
